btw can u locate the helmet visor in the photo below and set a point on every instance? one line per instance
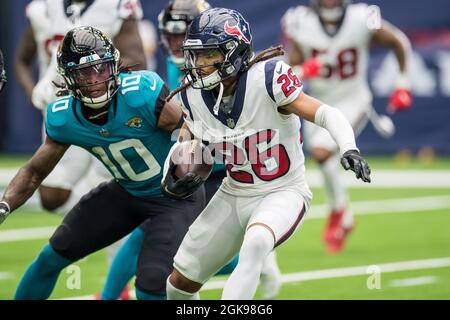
(93, 79)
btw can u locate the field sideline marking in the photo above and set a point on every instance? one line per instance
(390, 178)
(332, 273)
(400, 205)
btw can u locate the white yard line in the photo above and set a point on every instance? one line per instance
(402, 205)
(6, 276)
(351, 271)
(336, 273)
(380, 178)
(411, 282)
(26, 234)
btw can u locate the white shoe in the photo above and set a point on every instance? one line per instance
(270, 279)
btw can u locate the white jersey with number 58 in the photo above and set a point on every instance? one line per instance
(261, 146)
(344, 55)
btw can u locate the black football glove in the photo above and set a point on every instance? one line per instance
(181, 188)
(4, 211)
(353, 160)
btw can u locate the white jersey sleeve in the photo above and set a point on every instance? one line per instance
(130, 9)
(282, 84)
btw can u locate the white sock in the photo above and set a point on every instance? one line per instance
(270, 280)
(335, 190)
(241, 285)
(177, 294)
(270, 266)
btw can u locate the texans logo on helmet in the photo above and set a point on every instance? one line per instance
(235, 31)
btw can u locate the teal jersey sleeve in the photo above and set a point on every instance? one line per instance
(174, 75)
(143, 90)
(58, 114)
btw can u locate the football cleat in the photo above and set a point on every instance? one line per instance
(336, 231)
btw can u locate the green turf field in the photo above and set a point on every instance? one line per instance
(404, 242)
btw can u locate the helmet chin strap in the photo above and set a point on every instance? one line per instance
(97, 103)
(219, 99)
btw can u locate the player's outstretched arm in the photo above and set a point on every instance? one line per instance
(390, 36)
(339, 128)
(128, 42)
(30, 176)
(24, 57)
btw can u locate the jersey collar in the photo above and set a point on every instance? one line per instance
(68, 2)
(230, 120)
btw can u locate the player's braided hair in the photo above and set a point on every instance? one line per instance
(264, 55)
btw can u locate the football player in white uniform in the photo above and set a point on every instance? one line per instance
(49, 22)
(247, 109)
(2, 72)
(329, 46)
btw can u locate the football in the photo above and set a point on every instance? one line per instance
(194, 157)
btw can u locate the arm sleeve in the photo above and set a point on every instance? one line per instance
(337, 125)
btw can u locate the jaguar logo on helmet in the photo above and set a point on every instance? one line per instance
(235, 31)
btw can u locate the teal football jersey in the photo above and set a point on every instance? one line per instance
(129, 144)
(174, 74)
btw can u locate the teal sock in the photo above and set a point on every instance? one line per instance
(140, 295)
(123, 266)
(40, 278)
(227, 269)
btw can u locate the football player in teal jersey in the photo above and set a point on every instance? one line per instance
(120, 117)
(172, 25)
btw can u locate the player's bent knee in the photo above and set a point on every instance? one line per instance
(153, 280)
(182, 283)
(321, 155)
(53, 198)
(62, 241)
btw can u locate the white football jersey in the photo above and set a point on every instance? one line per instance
(344, 55)
(52, 19)
(261, 147)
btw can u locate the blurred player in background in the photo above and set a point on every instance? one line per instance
(172, 24)
(49, 20)
(121, 118)
(329, 45)
(247, 108)
(149, 39)
(2, 72)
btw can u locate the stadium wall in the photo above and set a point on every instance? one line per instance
(426, 23)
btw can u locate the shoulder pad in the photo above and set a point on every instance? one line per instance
(35, 9)
(59, 110)
(139, 88)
